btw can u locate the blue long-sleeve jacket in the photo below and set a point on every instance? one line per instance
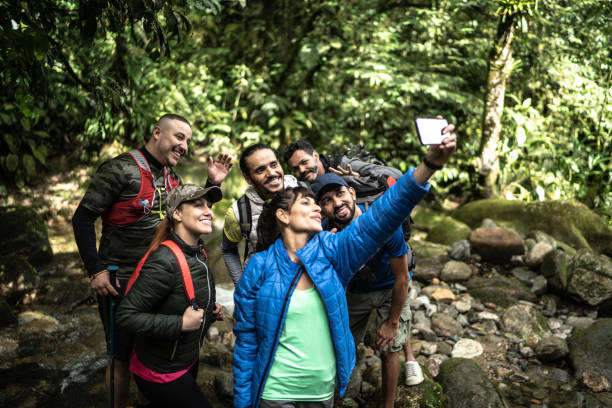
(262, 294)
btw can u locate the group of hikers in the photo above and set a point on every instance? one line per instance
(317, 262)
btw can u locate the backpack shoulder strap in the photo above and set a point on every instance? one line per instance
(140, 160)
(185, 271)
(182, 261)
(245, 219)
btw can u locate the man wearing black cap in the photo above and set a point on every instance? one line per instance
(381, 284)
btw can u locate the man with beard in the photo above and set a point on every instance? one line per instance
(307, 164)
(381, 284)
(263, 172)
(129, 193)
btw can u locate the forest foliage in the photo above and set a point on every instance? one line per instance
(79, 74)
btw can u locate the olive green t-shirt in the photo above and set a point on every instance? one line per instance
(304, 366)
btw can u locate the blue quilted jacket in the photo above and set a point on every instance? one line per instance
(262, 294)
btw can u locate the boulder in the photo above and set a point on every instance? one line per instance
(536, 255)
(467, 348)
(525, 321)
(444, 325)
(460, 251)
(499, 290)
(585, 276)
(591, 349)
(551, 348)
(567, 221)
(28, 235)
(441, 228)
(466, 385)
(430, 258)
(454, 271)
(497, 244)
(224, 385)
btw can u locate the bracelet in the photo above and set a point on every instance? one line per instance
(95, 275)
(431, 165)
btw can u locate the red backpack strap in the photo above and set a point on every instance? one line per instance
(185, 271)
(136, 272)
(390, 181)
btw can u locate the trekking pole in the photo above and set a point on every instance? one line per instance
(112, 269)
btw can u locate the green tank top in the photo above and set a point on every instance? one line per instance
(304, 366)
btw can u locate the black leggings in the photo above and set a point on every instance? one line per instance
(182, 392)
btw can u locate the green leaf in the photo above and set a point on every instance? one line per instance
(29, 164)
(12, 161)
(39, 153)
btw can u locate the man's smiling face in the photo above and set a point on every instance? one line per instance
(265, 172)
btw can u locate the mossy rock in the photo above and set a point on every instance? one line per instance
(428, 394)
(28, 235)
(499, 289)
(567, 221)
(466, 385)
(442, 229)
(591, 349)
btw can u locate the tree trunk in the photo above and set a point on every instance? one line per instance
(500, 65)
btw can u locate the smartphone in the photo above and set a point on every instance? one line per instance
(430, 130)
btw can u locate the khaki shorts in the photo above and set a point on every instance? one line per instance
(360, 306)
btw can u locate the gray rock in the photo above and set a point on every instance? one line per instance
(580, 322)
(462, 320)
(354, 387)
(539, 285)
(466, 385)
(426, 332)
(428, 348)
(591, 279)
(526, 352)
(591, 349)
(224, 385)
(419, 317)
(463, 305)
(488, 223)
(496, 245)
(460, 251)
(499, 290)
(455, 271)
(466, 348)
(554, 324)
(525, 321)
(445, 325)
(523, 275)
(536, 255)
(551, 348)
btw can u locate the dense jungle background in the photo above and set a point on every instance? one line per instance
(512, 292)
(528, 84)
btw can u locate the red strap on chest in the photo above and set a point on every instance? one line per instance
(184, 267)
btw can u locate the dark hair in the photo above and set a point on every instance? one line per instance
(267, 226)
(249, 151)
(172, 116)
(299, 145)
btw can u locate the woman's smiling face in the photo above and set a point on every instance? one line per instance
(195, 216)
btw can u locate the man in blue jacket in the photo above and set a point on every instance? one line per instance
(381, 284)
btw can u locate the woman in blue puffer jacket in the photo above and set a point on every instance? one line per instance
(292, 328)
